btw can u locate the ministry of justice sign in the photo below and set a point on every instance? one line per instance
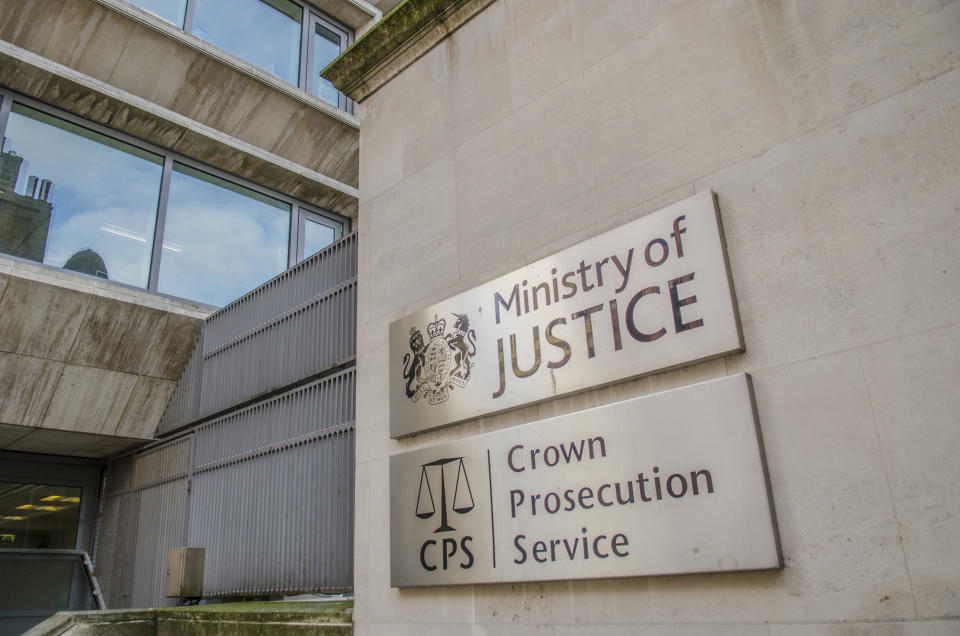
(665, 484)
(652, 294)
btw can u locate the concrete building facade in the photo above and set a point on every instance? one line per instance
(112, 95)
(496, 132)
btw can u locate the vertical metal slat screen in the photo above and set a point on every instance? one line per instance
(291, 327)
(264, 484)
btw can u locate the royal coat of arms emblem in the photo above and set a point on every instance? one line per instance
(433, 368)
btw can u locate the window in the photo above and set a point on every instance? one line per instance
(77, 196)
(77, 199)
(235, 236)
(270, 34)
(39, 516)
(316, 233)
(265, 33)
(327, 42)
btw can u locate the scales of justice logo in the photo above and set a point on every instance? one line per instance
(446, 551)
(462, 494)
(433, 368)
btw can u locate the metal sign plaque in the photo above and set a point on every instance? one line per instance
(665, 484)
(650, 295)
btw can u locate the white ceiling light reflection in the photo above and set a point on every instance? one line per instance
(136, 236)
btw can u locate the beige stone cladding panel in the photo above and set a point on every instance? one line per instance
(454, 92)
(413, 242)
(913, 390)
(835, 163)
(948, 86)
(525, 182)
(846, 235)
(722, 80)
(842, 555)
(890, 628)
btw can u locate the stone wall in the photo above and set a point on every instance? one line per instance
(830, 132)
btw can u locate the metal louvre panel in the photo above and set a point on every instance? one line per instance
(161, 523)
(266, 489)
(275, 521)
(144, 515)
(313, 407)
(162, 463)
(301, 343)
(306, 280)
(299, 324)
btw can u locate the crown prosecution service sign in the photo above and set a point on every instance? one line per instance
(669, 483)
(650, 295)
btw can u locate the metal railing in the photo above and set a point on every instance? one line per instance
(36, 584)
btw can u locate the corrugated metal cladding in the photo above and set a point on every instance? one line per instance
(266, 488)
(300, 324)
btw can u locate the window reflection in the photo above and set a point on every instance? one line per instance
(70, 197)
(38, 516)
(316, 236)
(265, 33)
(326, 47)
(169, 10)
(221, 240)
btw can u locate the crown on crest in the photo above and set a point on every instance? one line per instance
(436, 328)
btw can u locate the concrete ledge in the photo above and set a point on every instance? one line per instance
(403, 36)
(104, 288)
(55, 84)
(188, 39)
(280, 617)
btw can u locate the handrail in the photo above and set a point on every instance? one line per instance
(84, 559)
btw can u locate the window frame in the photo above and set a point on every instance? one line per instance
(297, 209)
(302, 219)
(310, 16)
(310, 72)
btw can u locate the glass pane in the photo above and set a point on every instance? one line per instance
(316, 236)
(169, 10)
(221, 239)
(35, 516)
(38, 584)
(266, 34)
(326, 48)
(73, 198)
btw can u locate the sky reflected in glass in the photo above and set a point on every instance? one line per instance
(221, 240)
(326, 48)
(316, 236)
(170, 10)
(266, 34)
(104, 192)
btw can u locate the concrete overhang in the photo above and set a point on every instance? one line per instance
(127, 69)
(86, 365)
